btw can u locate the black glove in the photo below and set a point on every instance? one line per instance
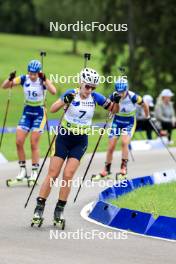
(116, 97)
(42, 76)
(68, 98)
(12, 76)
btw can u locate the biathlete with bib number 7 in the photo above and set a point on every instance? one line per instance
(33, 117)
(71, 146)
(124, 124)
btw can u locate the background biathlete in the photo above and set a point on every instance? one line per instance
(33, 117)
(123, 124)
(69, 143)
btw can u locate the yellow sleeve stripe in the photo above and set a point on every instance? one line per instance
(17, 80)
(139, 100)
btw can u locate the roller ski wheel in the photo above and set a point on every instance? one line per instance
(99, 177)
(121, 177)
(16, 182)
(31, 183)
(37, 221)
(59, 220)
(38, 215)
(8, 182)
(59, 223)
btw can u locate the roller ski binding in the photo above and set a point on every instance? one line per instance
(123, 172)
(59, 220)
(38, 213)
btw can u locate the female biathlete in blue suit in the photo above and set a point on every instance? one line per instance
(33, 118)
(124, 124)
(71, 145)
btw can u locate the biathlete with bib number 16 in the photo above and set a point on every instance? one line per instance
(33, 117)
(71, 146)
(124, 124)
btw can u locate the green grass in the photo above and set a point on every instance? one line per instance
(158, 199)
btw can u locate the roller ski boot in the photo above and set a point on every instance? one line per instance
(21, 179)
(59, 220)
(34, 175)
(122, 175)
(104, 175)
(38, 213)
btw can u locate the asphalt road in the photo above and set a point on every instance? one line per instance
(19, 243)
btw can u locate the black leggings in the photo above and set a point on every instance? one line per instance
(168, 127)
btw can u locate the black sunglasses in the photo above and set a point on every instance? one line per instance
(88, 87)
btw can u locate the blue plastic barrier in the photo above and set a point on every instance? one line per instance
(109, 193)
(142, 181)
(104, 212)
(123, 188)
(164, 227)
(132, 220)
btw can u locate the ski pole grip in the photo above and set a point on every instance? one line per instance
(87, 56)
(43, 53)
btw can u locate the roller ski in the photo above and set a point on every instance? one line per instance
(104, 175)
(122, 175)
(21, 179)
(38, 213)
(16, 182)
(59, 220)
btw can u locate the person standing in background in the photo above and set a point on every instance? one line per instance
(165, 113)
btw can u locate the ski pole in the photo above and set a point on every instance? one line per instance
(93, 154)
(157, 132)
(6, 112)
(87, 57)
(43, 54)
(131, 153)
